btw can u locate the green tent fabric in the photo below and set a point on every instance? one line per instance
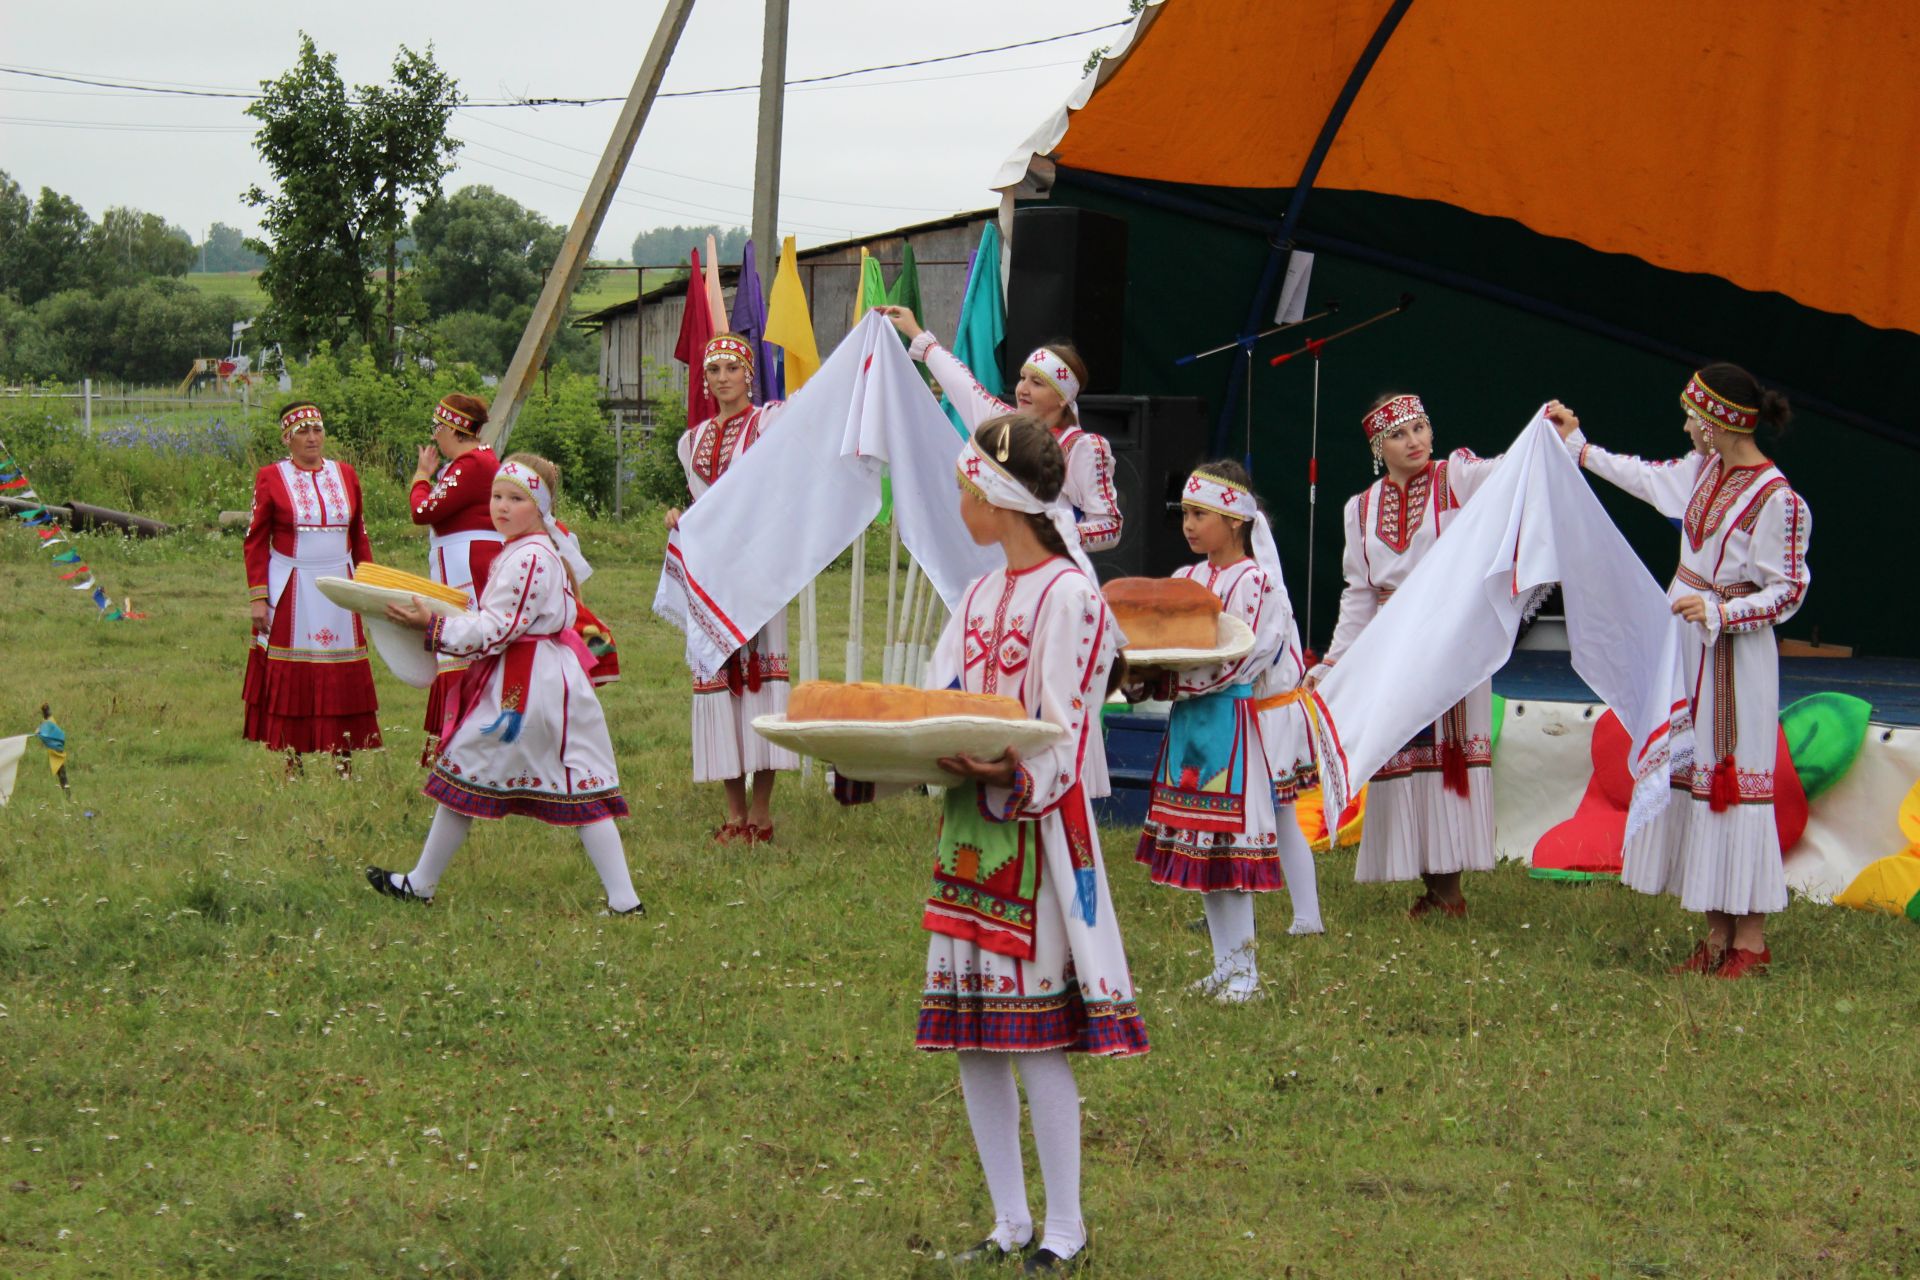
(1825, 732)
(1913, 909)
(1499, 718)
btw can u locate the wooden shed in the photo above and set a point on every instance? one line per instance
(637, 337)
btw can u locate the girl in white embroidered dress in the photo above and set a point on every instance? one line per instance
(1227, 861)
(754, 681)
(527, 735)
(1430, 808)
(1743, 571)
(1038, 631)
(1049, 387)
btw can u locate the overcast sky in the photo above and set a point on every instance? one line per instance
(865, 154)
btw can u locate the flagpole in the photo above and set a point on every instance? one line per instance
(887, 654)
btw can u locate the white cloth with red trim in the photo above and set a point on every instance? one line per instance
(1451, 625)
(787, 507)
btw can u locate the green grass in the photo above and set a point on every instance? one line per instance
(223, 1056)
(244, 285)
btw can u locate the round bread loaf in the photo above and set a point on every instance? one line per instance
(830, 700)
(1164, 613)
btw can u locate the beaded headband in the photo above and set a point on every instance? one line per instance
(1219, 496)
(1715, 409)
(728, 346)
(529, 479)
(299, 414)
(1396, 412)
(448, 416)
(1054, 372)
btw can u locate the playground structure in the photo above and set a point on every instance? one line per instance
(229, 372)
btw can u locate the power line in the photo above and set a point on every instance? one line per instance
(173, 90)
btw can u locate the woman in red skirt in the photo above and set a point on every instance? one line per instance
(309, 686)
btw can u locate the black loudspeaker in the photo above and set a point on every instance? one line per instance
(1157, 442)
(1068, 280)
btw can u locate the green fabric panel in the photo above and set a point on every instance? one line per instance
(1482, 367)
(1499, 718)
(1825, 732)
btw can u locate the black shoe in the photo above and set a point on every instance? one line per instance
(1046, 1262)
(382, 882)
(638, 909)
(989, 1251)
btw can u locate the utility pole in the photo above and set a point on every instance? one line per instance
(550, 312)
(766, 168)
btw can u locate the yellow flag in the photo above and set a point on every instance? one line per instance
(790, 323)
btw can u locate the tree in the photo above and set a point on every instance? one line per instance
(664, 246)
(348, 168)
(16, 211)
(127, 246)
(52, 252)
(226, 250)
(478, 250)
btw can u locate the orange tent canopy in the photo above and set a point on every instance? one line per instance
(1773, 145)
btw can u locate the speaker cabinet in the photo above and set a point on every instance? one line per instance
(1068, 280)
(1157, 442)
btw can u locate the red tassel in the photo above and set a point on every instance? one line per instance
(1725, 789)
(1453, 767)
(754, 673)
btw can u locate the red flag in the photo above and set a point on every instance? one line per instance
(696, 330)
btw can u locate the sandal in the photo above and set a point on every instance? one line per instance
(758, 835)
(1738, 962)
(638, 909)
(382, 881)
(732, 833)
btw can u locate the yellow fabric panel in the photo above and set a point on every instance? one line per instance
(1771, 145)
(1884, 885)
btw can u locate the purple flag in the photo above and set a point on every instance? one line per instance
(750, 322)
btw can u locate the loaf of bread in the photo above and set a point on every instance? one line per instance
(1164, 613)
(828, 700)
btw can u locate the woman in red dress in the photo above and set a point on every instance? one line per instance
(309, 686)
(451, 500)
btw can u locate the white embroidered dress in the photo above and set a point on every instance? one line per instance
(1414, 824)
(526, 682)
(1043, 636)
(1208, 861)
(1089, 480)
(754, 681)
(1743, 549)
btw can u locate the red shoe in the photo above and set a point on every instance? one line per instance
(1426, 904)
(1738, 962)
(757, 835)
(733, 833)
(1703, 960)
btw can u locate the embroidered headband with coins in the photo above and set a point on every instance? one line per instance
(1715, 410)
(299, 415)
(445, 415)
(728, 347)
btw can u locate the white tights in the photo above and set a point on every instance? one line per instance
(993, 1109)
(449, 830)
(1296, 863)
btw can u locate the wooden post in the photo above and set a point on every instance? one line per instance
(766, 164)
(86, 391)
(550, 312)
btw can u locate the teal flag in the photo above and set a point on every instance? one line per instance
(982, 330)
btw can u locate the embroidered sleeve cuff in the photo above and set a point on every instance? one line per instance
(1004, 804)
(1716, 618)
(920, 345)
(256, 593)
(435, 626)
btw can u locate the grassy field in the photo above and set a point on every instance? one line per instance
(224, 1056)
(598, 288)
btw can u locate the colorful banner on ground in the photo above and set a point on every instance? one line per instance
(14, 483)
